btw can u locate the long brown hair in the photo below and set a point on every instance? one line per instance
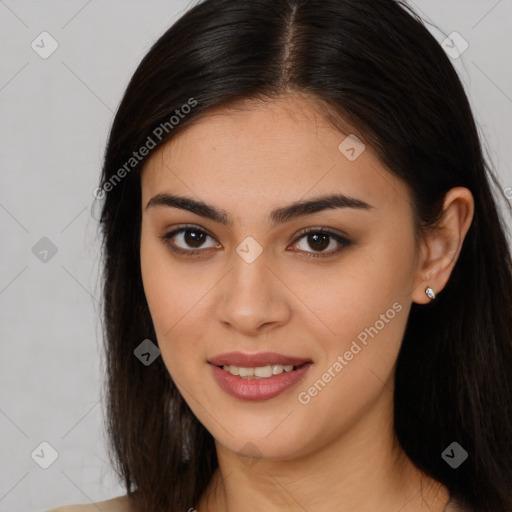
(373, 63)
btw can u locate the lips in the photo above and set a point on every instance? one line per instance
(253, 388)
(255, 360)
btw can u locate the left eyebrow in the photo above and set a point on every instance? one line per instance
(277, 216)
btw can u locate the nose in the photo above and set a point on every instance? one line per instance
(253, 299)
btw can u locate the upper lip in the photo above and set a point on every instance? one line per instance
(257, 359)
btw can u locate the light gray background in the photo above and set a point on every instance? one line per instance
(55, 115)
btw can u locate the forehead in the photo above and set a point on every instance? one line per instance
(268, 151)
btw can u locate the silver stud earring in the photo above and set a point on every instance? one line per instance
(431, 294)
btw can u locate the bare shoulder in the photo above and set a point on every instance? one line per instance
(454, 506)
(119, 504)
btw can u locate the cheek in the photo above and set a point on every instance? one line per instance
(363, 306)
(169, 289)
(173, 293)
(352, 295)
(158, 289)
(367, 310)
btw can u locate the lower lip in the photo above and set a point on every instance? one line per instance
(258, 389)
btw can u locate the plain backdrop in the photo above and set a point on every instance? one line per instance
(55, 114)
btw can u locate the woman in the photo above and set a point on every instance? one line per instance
(307, 284)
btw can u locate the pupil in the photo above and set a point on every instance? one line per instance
(319, 241)
(193, 238)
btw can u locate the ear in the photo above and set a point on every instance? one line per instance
(441, 246)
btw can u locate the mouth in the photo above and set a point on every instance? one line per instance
(259, 376)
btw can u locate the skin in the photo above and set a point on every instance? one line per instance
(336, 452)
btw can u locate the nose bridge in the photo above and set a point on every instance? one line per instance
(251, 295)
(250, 281)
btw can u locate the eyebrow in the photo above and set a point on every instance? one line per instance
(279, 215)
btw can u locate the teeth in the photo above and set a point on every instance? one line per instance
(246, 372)
(260, 372)
(277, 369)
(263, 371)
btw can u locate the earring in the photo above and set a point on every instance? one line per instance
(431, 294)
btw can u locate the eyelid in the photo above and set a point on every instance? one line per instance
(339, 236)
(321, 229)
(180, 229)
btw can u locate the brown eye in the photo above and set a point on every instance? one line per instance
(319, 240)
(190, 241)
(194, 238)
(185, 239)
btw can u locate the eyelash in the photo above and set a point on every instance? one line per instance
(344, 242)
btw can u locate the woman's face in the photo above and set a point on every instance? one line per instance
(250, 282)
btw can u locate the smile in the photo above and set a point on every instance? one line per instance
(259, 372)
(257, 375)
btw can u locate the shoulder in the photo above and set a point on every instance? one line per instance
(454, 506)
(119, 504)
